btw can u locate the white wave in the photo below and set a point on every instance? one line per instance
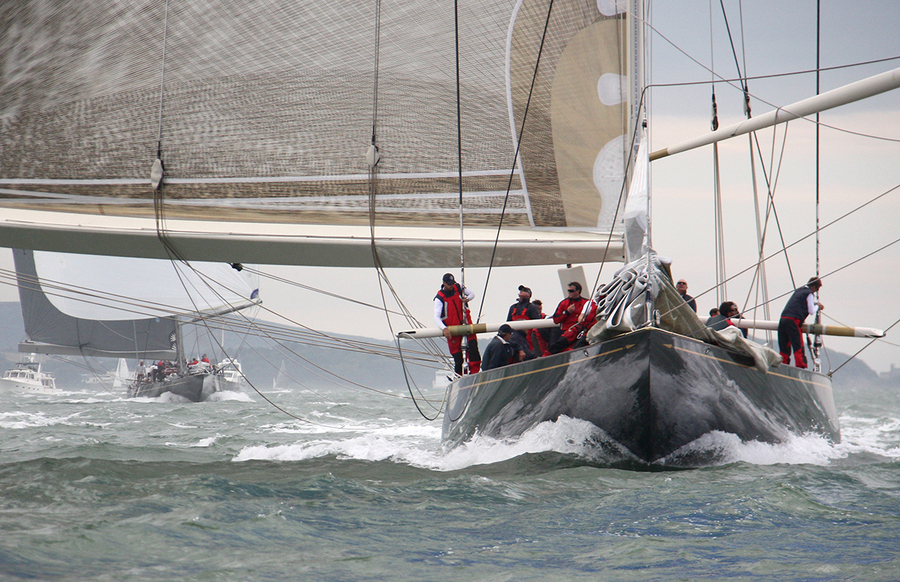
(566, 435)
(719, 448)
(859, 435)
(24, 420)
(228, 395)
(207, 442)
(419, 445)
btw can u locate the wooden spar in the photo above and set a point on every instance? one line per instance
(812, 328)
(461, 330)
(841, 96)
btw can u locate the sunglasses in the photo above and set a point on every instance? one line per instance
(573, 290)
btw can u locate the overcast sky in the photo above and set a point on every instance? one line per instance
(780, 37)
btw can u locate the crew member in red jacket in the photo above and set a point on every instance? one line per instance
(566, 315)
(451, 308)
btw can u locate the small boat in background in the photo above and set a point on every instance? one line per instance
(231, 377)
(27, 376)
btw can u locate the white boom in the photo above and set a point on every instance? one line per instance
(460, 330)
(813, 328)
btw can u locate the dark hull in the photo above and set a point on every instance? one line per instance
(195, 388)
(650, 391)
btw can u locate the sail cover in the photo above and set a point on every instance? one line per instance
(114, 307)
(264, 111)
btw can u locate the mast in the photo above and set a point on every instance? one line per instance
(817, 340)
(179, 347)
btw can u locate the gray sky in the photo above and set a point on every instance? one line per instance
(780, 37)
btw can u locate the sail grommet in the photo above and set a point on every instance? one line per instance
(156, 174)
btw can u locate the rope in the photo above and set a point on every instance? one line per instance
(798, 241)
(383, 279)
(861, 349)
(162, 82)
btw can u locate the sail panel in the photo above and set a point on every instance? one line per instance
(49, 331)
(264, 111)
(569, 110)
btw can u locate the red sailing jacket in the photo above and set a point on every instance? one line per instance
(567, 320)
(454, 312)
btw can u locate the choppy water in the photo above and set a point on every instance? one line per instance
(94, 486)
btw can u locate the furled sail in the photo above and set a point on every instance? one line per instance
(261, 115)
(110, 307)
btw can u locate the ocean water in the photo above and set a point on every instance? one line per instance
(94, 486)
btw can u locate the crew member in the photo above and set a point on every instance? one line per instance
(499, 352)
(542, 335)
(451, 308)
(802, 303)
(681, 287)
(723, 316)
(566, 315)
(520, 310)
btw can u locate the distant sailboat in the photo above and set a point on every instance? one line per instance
(122, 377)
(89, 306)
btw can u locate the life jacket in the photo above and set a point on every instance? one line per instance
(519, 311)
(796, 307)
(454, 312)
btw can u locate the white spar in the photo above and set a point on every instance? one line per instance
(812, 328)
(862, 89)
(476, 328)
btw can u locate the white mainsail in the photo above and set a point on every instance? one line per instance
(262, 120)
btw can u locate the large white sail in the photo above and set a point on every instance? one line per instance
(262, 116)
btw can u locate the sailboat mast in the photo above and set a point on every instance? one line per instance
(179, 347)
(639, 99)
(817, 340)
(462, 254)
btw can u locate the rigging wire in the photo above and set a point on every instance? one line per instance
(174, 254)
(718, 211)
(759, 285)
(803, 238)
(831, 372)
